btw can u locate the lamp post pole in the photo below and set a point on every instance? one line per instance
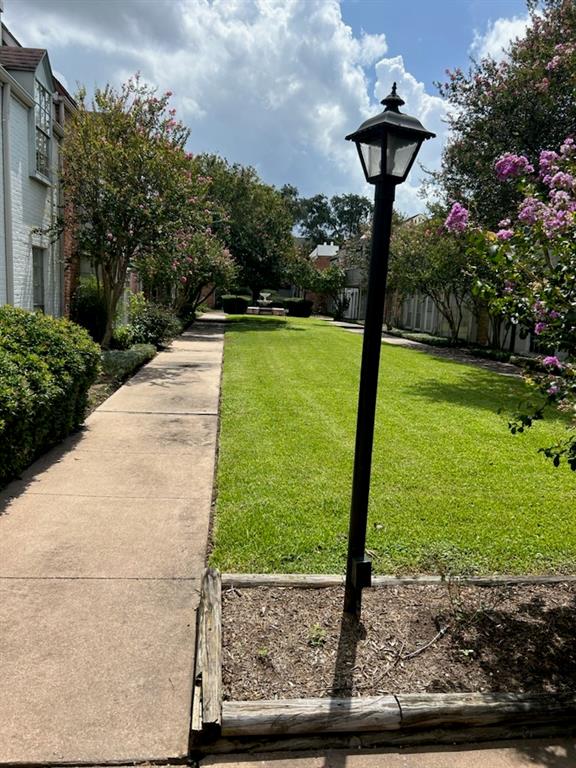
(387, 145)
(358, 569)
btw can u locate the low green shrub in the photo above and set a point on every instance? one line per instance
(151, 323)
(122, 337)
(47, 366)
(298, 307)
(235, 305)
(488, 353)
(423, 338)
(88, 308)
(118, 364)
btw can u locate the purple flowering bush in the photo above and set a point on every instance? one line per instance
(535, 257)
(530, 277)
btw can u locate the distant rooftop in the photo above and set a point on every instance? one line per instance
(21, 59)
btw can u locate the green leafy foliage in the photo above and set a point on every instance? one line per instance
(427, 259)
(119, 364)
(337, 219)
(151, 323)
(235, 305)
(122, 337)
(330, 283)
(254, 222)
(88, 308)
(46, 368)
(298, 307)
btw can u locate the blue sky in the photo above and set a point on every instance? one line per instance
(431, 35)
(277, 84)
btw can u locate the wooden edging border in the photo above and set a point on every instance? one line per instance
(316, 580)
(403, 719)
(207, 689)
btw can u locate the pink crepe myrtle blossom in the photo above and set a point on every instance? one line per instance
(530, 210)
(553, 389)
(505, 234)
(547, 162)
(510, 166)
(504, 223)
(562, 180)
(568, 148)
(539, 328)
(551, 361)
(457, 219)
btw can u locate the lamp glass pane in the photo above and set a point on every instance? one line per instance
(399, 153)
(372, 156)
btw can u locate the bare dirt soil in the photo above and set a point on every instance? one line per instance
(292, 643)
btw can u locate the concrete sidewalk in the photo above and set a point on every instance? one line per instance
(553, 753)
(102, 546)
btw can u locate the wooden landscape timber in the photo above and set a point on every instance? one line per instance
(391, 713)
(207, 693)
(564, 728)
(318, 580)
(390, 720)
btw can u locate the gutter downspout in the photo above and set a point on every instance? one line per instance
(7, 188)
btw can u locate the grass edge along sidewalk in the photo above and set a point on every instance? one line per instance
(452, 490)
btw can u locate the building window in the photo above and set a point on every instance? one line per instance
(43, 121)
(38, 278)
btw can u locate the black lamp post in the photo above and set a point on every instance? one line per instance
(387, 145)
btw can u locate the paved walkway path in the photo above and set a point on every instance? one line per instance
(102, 545)
(553, 753)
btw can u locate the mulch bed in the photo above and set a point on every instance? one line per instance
(293, 643)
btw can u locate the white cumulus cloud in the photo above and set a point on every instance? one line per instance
(276, 84)
(498, 37)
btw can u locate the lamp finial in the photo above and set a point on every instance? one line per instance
(392, 102)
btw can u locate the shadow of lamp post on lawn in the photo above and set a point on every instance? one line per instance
(387, 145)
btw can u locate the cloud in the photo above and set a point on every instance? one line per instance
(276, 84)
(498, 37)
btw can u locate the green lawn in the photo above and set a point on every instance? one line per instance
(451, 488)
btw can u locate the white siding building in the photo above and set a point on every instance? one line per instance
(32, 106)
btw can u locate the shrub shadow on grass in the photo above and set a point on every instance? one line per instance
(251, 323)
(478, 390)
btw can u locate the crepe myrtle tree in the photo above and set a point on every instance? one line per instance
(131, 188)
(533, 262)
(523, 103)
(432, 260)
(199, 266)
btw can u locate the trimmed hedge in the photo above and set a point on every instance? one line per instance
(121, 363)
(298, 307)
(235, 305)
(47, 366)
